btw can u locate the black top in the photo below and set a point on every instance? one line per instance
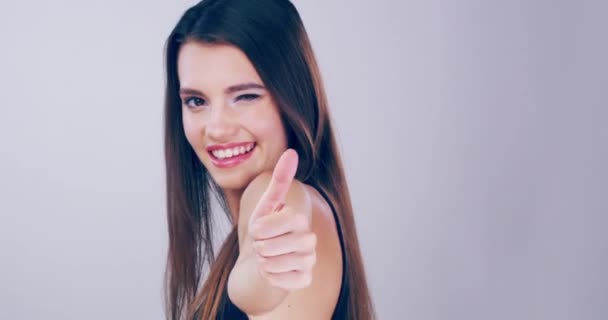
(232, 312)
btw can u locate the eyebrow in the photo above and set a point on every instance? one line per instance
(229, 90)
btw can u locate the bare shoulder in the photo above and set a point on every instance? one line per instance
(327, 280)
(324, 225)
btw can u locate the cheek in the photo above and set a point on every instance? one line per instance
(270, 129)
(190, 130)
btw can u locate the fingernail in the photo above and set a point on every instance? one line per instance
(258, 244)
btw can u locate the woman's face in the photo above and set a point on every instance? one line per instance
(229, 118)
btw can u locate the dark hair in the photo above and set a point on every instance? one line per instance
(272, 36)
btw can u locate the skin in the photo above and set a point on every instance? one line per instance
(290, 263)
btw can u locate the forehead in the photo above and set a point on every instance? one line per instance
(213, 66)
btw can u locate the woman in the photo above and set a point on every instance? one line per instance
(246, 120)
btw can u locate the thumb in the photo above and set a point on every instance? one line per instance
(282, 177)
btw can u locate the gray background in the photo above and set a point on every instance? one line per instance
(474, 138)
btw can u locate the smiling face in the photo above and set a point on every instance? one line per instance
(229, 118)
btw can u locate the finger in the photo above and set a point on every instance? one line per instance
(288, 262)
(288, 243)
(282, 177)
(291, 280)
(274, 225)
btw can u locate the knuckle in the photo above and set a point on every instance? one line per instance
(275, 250)
(275, 282)
(262, 264)
(301, 221)
(308, 242)
(258, 245)
(254, 230)
(263, 247)
(278, 248)
(312, 260)
(263, 274)
(313, 240)
(306, 279)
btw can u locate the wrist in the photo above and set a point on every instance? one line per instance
(249, 291)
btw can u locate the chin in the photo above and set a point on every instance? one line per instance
(231, 185)
(232, 180)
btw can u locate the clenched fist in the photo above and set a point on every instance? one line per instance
(281, 236)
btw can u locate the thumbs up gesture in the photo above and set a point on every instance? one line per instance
(280, 229)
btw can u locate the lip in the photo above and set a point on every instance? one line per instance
(233, 161)
(227, 146)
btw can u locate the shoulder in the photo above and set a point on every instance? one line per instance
(328, 273)
(323, 293)
(324, 223)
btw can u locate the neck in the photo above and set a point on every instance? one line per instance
(233, 198)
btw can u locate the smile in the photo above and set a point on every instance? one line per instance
(232, 152)
(228, 156)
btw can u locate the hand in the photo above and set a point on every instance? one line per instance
(281, 236)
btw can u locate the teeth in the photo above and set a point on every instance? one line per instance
(227, 153)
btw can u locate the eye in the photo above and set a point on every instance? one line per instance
(248, 97)
(193, 102)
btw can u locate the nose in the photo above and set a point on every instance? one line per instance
(221, 126)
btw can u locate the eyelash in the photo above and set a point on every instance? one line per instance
(245, 97)
(248, 97)
(188, 100)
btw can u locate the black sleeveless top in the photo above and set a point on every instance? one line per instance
(232, 312)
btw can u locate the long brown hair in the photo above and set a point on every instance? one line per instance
(272, 35)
